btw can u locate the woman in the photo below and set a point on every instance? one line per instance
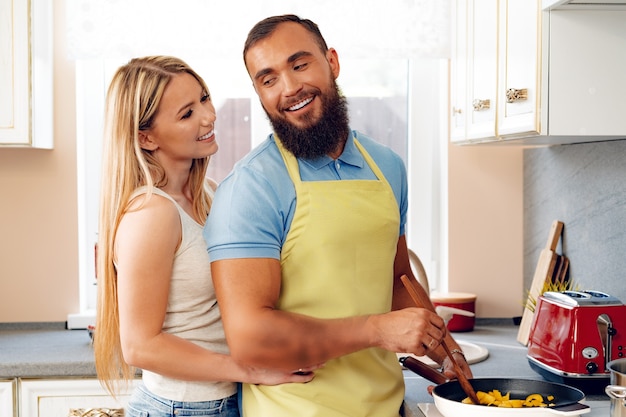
(156, 303)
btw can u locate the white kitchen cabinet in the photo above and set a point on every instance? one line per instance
(584, 72)
(523, 75)
(7, 398)
(64, 397)
(26, 73)
(494, 51)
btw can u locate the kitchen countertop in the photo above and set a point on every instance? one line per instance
(36, 350)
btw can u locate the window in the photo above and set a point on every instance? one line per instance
(398, 97)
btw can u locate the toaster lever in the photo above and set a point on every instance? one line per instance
(606, 330)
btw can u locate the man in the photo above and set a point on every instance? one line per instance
(306, 238)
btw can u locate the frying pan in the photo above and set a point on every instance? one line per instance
(448, 395)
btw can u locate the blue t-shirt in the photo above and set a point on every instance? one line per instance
(253, 206)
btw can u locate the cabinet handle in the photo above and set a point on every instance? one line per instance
(96, 412)
(481, 104)
(456, 111)
(513, 95)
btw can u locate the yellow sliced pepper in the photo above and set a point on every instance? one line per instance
(495, 398)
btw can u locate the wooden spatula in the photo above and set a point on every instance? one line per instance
(420, 302)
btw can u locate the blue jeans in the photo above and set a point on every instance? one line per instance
(145, 404)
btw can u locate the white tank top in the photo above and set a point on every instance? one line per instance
(192, 313)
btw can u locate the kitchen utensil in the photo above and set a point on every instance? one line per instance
(464, 305)
(617, 390)
(575, 335)
(473, 354)
(543, 272)
(423, 369)
(562, 277)
(559, 276)
(418, 267)
(448, 397)
(447, 312)
(425, 303)
(558, 268)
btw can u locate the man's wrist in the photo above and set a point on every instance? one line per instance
(455, 351)
(458, 351)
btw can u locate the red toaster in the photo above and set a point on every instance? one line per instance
(574, 335)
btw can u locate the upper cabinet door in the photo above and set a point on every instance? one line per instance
(587, 73)
(26, 73)
(474, 70)
(482, 77)
(519, 68)
(458, 72)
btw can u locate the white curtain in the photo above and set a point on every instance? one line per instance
(217, 28)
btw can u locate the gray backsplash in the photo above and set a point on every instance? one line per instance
(584, 186)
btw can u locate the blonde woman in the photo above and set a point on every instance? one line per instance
(157, 309)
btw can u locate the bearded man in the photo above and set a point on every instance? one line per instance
(307, 244)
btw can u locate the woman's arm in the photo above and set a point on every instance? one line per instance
(146, 242)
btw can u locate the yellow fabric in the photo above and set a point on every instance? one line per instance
(337, 261)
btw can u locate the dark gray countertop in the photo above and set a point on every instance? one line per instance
(44, 350)
(35, 350)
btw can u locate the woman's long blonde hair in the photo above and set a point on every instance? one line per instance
(132, 103)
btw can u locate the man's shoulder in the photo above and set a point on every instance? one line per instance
(261, 151)
(262, 166)
(262, 157)
(375, 148)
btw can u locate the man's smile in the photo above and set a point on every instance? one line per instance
(300, 104)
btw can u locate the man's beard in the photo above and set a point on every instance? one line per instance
(320, 138)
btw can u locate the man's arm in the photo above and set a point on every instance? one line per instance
(402, 299)
(261, 335)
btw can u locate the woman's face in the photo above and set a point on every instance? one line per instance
(183, 128)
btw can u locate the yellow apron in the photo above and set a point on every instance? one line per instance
(337, 261)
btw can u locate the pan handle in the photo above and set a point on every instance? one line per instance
(569, 410)
(424, 370)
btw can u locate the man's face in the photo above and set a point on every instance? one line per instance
(289, 72)
(295, 82)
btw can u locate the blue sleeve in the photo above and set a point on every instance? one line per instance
(246, 219)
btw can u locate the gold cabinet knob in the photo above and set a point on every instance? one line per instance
(481, 104)
(513, 95)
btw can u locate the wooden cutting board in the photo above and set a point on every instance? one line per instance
(543, 272)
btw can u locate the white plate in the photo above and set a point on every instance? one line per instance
(473, 354)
